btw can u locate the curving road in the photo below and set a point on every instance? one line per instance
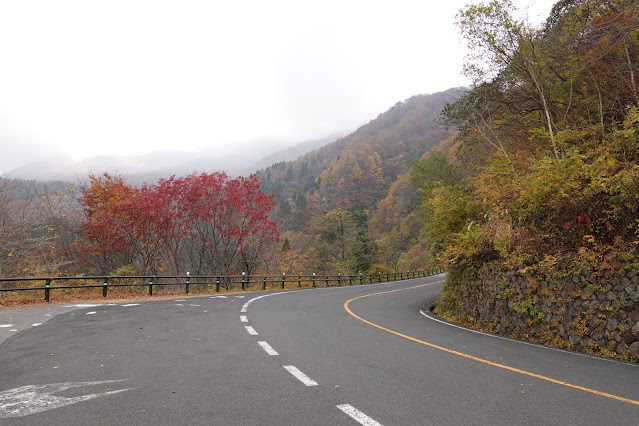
(333, 356)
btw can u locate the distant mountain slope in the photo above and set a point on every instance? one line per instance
(289, 154)
(356, 171)
(162, 164)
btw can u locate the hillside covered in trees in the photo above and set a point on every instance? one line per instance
(534, 206)
(341, 207)
(335, 209)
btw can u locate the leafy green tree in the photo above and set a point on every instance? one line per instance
(286, 245)
(364, 252)
(335, 233)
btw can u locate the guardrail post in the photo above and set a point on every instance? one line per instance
(379, 276)
(151, 288)
(264, 284)
(360, 278)
(299, 281)
(217, 285)
(339, 279)
(186, 285)
(313, 279)
(105, 286)
(327, 284)
(47, 284)
(243, 287)
(283, 278)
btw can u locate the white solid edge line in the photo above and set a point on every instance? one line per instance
(243, 318)
(421, 311)
(300, 376)
(357, 415)
(250, 330)
(246, 305)
(268, 348)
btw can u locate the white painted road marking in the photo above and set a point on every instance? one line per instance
(300, 376)
(268, 348)
(82, 305)
(91, 313)
(250, 330)
(357, 415)
(6, 325)
(131, 304)
(35, 324)
(246, 305)
(32, 399)
(430, 317)
(243, 318)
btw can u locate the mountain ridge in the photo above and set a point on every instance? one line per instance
(162, 164)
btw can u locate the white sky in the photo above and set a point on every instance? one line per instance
(129, 77)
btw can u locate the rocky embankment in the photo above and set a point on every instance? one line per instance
(593, 312)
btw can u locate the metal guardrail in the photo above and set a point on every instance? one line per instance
(228, 282)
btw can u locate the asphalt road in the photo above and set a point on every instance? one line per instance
(336, 356)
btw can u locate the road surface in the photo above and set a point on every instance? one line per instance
(331, 356)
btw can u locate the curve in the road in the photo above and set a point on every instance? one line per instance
(347, 409)
(474, 358)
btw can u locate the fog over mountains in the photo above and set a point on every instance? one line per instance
(158, 164)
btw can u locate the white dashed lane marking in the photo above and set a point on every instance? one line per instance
(299, 375)
(243, 318)
(357, 415)
(250, 330)
(267, 348)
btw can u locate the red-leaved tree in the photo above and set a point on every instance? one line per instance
(202, 223)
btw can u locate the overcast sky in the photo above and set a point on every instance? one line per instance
(129, 77)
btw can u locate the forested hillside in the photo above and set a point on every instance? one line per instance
(328, 199)
(542, 181)
(323, 207)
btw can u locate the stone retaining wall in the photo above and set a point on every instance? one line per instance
(593, 313)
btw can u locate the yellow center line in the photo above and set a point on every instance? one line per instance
(474, 358)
